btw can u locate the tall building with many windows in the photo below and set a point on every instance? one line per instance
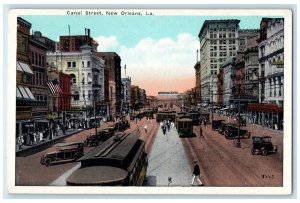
(218, 41)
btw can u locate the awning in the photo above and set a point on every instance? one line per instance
(223, 109)
(24, 67)
(25, 93)
(262, 107)
(19, 95)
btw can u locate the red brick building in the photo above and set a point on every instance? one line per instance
(64, 101)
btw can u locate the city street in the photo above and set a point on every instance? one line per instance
(28, 166)
(223, 164)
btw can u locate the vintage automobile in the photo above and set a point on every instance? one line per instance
(232, 132)
(63, 152)
(216, 124)
(262, 145)
(102, 136)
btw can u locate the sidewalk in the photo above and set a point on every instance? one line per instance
(167, 162)
(47, 140)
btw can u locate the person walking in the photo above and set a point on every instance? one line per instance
(196, 174)
(201, 132)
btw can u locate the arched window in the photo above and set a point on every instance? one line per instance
(73, 80)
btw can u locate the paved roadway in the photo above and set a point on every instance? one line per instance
(168, 159)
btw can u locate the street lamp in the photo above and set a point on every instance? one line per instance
(238, 141)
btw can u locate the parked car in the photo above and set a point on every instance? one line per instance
(63, 152)
(262, 145)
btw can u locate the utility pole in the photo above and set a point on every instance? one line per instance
(95, 112)
(238, 141)
(212, 112)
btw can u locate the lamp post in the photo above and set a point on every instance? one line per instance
(94, 105)
(238, 141)
(212, 112)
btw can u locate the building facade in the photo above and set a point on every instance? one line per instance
(24, 74)
(113, 83)
(38, 81)
(197, 68)
(269, 111)
(73, 43)
(87, 75)
(126, 93)
(218, 41)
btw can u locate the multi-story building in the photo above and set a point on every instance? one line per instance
(244, 34)
(271, 55)
(135, 97)
(38, 83)
(126, 93)
(72, 43)
(50, 44)
(113, 83)
(251, 69)
(228, 84)
(24, 74)
(197, 68)
(218, 41)
(220, 90)
(87, 75)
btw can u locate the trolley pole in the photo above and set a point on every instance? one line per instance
(212, 106)
(238, 141)
(95, 113)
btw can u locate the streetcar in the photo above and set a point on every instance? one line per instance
(195, 117)
(184, 126)
(119, 161)
(165, 116)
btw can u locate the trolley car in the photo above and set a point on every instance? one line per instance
(184, 126)
(120, 161)
(165, 115)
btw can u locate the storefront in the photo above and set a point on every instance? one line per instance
(267, 115)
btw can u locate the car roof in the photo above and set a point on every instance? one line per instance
(67, 144)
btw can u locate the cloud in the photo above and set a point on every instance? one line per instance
(107, 43)
(158, 65)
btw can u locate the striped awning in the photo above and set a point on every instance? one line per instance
(24, 67)
(24, 93)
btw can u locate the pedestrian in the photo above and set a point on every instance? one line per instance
(204, 122)
(19, 142)
(196, 174)
(201, 133)
(145, 128)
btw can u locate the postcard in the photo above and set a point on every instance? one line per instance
(149, 101)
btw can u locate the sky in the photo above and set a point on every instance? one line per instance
(159, 51)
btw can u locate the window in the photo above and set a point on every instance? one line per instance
(88, 64)
(73, 80)
(43, 61)
(222, 41)
(32, 57)
(25, 78)
(82, 63)
(24, 44)
(73, 64)
(40, 60)
(69, 65)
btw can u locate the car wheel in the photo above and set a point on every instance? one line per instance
(252, 151)
(77, 155)
(264, 152)
(47, 162)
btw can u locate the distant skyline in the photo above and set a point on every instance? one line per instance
(159, 51)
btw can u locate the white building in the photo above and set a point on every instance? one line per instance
(218, 41)
(87, 71)
(271, 55)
